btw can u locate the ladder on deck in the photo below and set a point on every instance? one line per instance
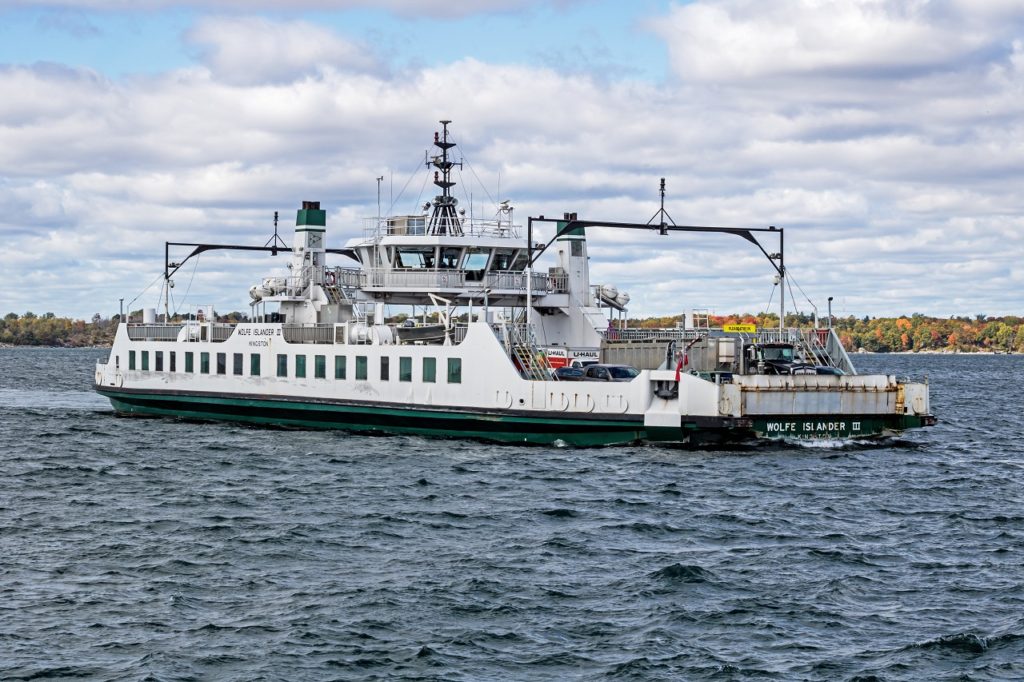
(524, 352)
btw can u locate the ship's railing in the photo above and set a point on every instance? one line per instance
(347, 277)
(417, 225)
(198, 331)
(308, 333)
(668, 334)
(154, 332)
(446, 279)
(818, 345)
(221, 332)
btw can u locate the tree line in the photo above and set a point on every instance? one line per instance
(913, 333)
(877, 334)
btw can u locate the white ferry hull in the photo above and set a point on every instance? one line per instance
(488, 399)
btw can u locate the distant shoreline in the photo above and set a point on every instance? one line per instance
(5, 346)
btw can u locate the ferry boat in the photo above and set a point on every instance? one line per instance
(477, 351)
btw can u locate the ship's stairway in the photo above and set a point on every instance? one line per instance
(815, 350)
(530, 360)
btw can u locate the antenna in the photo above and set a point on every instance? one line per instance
(445, 219)
(662, 213)
(275, 242)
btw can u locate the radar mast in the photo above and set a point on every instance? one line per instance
(444, 220)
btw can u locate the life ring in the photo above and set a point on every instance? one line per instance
(330, 278)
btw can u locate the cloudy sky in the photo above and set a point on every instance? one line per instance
(885, 136)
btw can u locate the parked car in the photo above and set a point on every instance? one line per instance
(610, 373)
(568, 374)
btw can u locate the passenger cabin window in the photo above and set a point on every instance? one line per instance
(282, 365)
(300, 366)
(454, 370)
(339, 366)
(237, 362)
(189, 362)
(385, 369)
(254, 364)
(222, 363)
(429, 370)
(320, 366)
(158, 360)
(145, 360)
(204, 363)
(131, 359)
(171, 356)
(405, 369)
(360, 368)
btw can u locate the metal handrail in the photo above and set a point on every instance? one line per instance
(154, 332)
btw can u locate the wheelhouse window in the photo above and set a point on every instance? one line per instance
(450, 257)
(476, 263)
(420, 257)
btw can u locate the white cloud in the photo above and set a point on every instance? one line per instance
(255, 50)
(895, 175)
(879, 39)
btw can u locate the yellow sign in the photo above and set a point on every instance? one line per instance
(748, 328)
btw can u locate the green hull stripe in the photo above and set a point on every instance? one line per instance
(503, 426)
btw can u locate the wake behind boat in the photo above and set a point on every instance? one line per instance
(479, 353)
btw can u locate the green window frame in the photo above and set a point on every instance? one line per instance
(429, 370)
(145, 361)
(131, 359)
(454, 370)
(405, 369)
(254, 364)
(385, 368)
(158, 360)
(190, 363)
(204, 363)
(340, 362)
(360, 368)
(222, 363)
(238, 362)
(300, 366)
(320, 366)
(282, 365)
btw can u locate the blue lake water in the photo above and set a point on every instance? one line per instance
(155, 549)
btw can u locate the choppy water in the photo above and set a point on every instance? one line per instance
(153, 549)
